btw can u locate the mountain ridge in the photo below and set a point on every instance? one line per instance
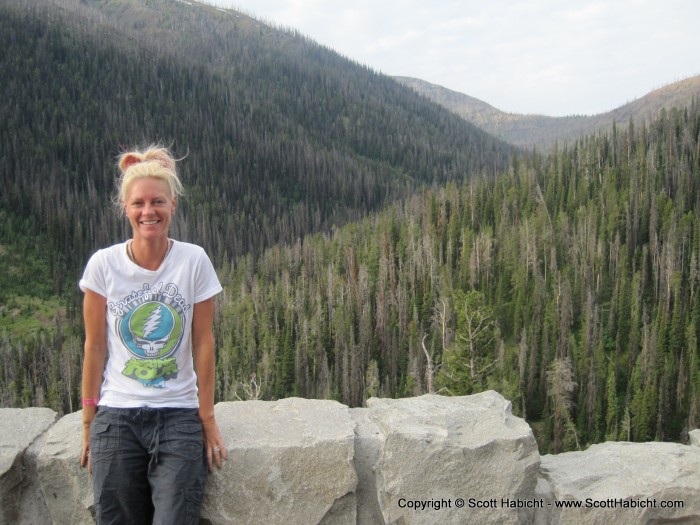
(541, 131)
(292, 136)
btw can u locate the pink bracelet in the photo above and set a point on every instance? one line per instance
(90, 402)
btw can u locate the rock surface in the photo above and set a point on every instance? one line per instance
(436, 452)
(368, 447)
(624, 483)
(290, 461)
(66, 487)
(401, 461)
(694, 437)
(20, 428)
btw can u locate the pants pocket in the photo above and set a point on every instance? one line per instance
(104, 439)
(185, 439)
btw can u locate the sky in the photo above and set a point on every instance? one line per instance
(550, 57)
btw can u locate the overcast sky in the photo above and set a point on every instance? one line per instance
(552, 57)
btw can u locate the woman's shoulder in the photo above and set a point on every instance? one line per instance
(109, 252)
(188, 248)
(191, 255)
(101, 262)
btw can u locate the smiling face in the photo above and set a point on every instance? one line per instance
(149, 207)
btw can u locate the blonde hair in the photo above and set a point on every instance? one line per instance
(154, 161)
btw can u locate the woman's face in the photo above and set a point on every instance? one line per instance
(149, 207)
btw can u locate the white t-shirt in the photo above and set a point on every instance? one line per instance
(149, 324)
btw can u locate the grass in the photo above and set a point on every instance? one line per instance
(24, 315)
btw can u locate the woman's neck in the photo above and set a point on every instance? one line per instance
(148, 255)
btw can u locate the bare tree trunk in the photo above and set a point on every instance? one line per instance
(429, 369)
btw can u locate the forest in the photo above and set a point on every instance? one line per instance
(570, 284)
(369, 243)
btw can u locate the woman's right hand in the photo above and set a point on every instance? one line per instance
(94, 313)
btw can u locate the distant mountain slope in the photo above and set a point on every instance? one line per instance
(542, 131)
(283, 136)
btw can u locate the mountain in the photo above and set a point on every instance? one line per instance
(569, 283)
(360, 230)
(282, 137)
(542, 131)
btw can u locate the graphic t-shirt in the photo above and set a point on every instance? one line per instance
(149, 324)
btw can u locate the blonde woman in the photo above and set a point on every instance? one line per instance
(149, 432)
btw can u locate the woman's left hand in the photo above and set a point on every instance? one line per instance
(213, 443)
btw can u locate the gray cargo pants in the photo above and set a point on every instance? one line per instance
(148, 465)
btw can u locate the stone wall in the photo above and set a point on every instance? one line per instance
(429, 459)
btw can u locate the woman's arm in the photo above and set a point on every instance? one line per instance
(203, 351)
(94, 314)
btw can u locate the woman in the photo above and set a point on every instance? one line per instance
(148, 438)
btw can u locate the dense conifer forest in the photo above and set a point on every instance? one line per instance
(282, 137)
(369, 242)
(571, 284)
(289, 138)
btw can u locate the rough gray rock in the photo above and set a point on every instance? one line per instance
(694, 437)
(290, 461)
(611, 477)
(66, 487)
(436, 452)
(368, 447)
(20, 428)
(310, 461)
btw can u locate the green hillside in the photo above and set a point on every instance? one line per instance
(282, 138)
(583, 269)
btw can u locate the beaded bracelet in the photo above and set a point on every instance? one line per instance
(90, 402)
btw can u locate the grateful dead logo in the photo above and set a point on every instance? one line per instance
(152, 333)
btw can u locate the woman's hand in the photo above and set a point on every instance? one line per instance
(213, 443)
(203, 351)
(85, 459)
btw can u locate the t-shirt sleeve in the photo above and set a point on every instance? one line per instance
(206, 281)
(93, 277)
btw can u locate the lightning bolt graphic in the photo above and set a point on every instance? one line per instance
(152, 322)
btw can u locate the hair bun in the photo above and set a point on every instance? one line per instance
(129, 160)
(162, 156)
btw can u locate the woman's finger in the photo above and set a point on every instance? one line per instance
(86, 460)
(209, 458)
(217, 455)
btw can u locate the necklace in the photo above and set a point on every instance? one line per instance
(130, 251)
